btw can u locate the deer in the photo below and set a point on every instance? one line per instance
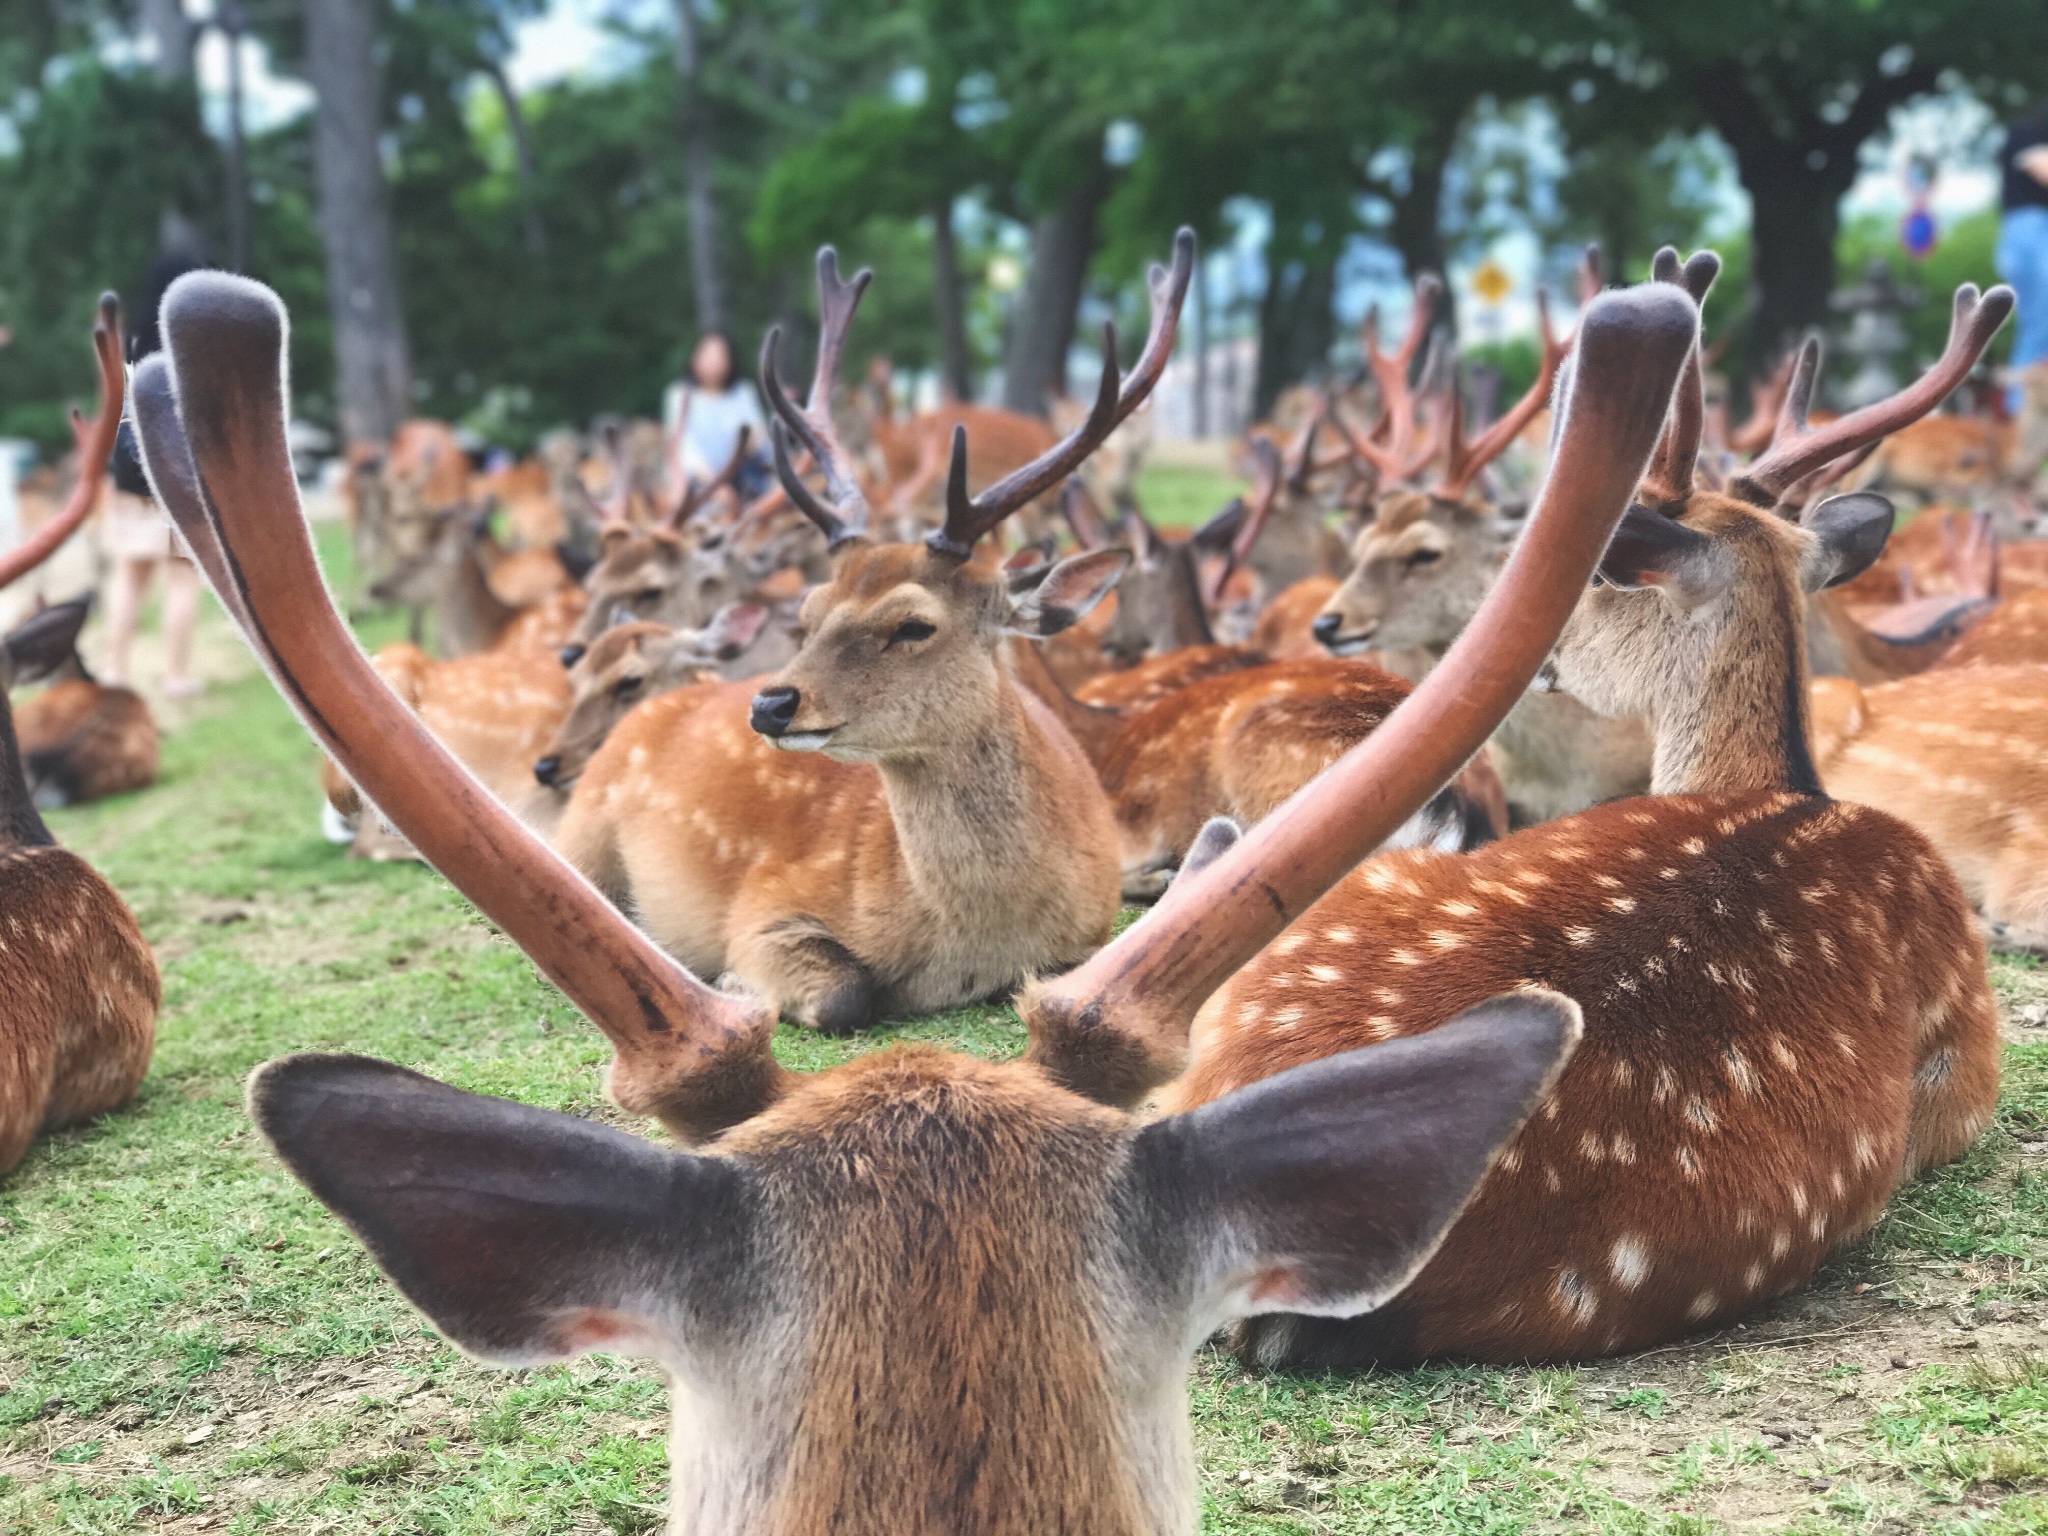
(450, 560)
(1419, 571)
(1786, 1005)
(628, 665)
(900, 863)
(919, 1292)
(82, 740)
(80, 981)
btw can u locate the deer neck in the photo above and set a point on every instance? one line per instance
(1741, 725)
(472, 616)
(20, 824)
(1186, 620)
(1094, 729)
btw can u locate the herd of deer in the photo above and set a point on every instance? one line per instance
(1375, 1079)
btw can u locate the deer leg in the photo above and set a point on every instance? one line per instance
(812, 978)
(1955, 1084)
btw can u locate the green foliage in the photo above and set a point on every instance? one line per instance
(1965, 254)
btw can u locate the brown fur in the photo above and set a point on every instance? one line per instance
(625, 667)
(2014, 633)
(1962, 757)
(967, 846)
(1283, 629)
(82, 993)
(83, 740)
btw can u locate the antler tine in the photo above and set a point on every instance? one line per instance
(1077, 506)
(847, 518)
(1301, 462)
(1670, 480)
(1267, 475)
(1798, 452)
(695, 496)
(968, 518)
(693, 1057)
(1117, 1026)
(1797, 401)
(1397, 395)
(1591, 279)
(1466, 462)
(95, 441)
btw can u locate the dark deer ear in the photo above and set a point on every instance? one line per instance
(44, 641)
(1651, 550)
(524, 1235)
(1067, 592)
(1324, 1189)
(1849, 532)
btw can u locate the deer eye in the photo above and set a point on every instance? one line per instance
(913, 629)
(626, 687)
(1424, 557)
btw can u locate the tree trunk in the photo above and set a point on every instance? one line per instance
(1417, 230)
(522, 149)
(174, 36)
(232, 21)
(1796, 168)
(700, 195)
(957, 366)
(1042, 328)
(370, 346)
(1297, 324)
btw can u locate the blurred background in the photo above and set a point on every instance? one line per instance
(520, 214)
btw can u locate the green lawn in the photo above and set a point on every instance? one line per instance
(188, 1343)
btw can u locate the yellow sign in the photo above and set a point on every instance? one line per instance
(1491, 282)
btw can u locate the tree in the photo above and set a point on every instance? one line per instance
(699, 157)
(371, 347)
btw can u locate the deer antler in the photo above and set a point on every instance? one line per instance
(1077, 506)
(847, 518)
(212, 423)
(1118, 1025)
(1300, 463)
(95, 441)
(1797, 449)
(1670, 480)
(1465, 462)
(1766, 399)
(695, 496)
(1591, 279)
(1267, 474)
(968, 518)
(1399, 459)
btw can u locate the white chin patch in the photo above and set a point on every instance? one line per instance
(1356, 647)
(802, 741)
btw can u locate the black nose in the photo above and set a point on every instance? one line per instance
(571, 654)
(774, 709)
(1326, 627)
(547, 770)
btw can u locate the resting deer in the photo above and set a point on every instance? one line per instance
(1785, 1000)
(920, 1293)
(630, 664)
(80, 983)
(452, 562)
(941, 837)
(81, 739)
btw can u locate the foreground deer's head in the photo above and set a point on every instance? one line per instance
(1421, 566)
(899, 647)
(919, 1293)
(1700, 608)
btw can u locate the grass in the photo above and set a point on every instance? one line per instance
(189, 1343)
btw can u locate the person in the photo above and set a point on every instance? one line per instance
(704, 414)
(2023, 262)
(138, 539)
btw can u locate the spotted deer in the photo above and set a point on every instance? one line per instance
(869, 833)
(81, 983)
(81, 739)
(919, 1293)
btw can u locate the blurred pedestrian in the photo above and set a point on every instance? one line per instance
(2023, 262)
(704, 413)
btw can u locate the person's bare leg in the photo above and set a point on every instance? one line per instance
(181, 610)
(124, 608)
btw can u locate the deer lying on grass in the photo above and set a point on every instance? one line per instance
(1785, 998)
(630, 664)
(81, 739)
(901, 863)
(479, 590)
(80, 983)
(920, 1293)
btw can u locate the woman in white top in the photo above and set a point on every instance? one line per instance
(703, 417)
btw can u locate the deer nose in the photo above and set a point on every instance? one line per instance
(571, 654)
(775, 710)
(1326, 627)
(547, 770)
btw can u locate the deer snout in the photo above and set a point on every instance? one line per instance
(547, 770)
(1327, 627)
(572, 653)
(775, 710)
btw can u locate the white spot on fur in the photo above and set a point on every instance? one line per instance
(1630, 1262)
(1703, 1306)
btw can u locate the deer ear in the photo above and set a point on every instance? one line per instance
(1324, 1189)
(524, 1235)
(1651, 550)
(1067, 592)
(43, 642)
(1849, 533)
(731, 630)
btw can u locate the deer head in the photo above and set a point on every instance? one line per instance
(920, 1292)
